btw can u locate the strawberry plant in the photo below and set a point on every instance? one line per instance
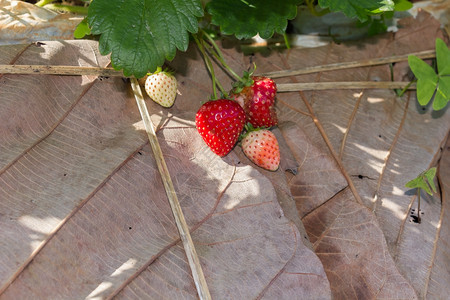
(429, 83)
(141, 34)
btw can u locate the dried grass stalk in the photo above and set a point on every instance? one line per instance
(194, 262)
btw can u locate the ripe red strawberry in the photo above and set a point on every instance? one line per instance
(258, 102)
(261, 147)
(161, 87)
(220, 122)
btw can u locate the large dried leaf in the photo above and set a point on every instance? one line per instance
(438, 273)
(84, 212)
(370, 142)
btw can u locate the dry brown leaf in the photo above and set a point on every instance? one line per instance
(377, 142)
(439, 275)
(85, 214)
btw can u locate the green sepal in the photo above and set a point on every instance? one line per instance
(246, 81)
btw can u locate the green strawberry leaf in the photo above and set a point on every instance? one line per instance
(442, 57)
(82, 30)
(141, 34)
(442, 93)
(402, 5)
(376, 27)
(246, 18)
(360, 9)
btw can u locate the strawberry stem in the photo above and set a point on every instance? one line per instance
(215, 51)
(208, 64)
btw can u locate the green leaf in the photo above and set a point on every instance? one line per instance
(412, 184)
(360, 9)
(402, 5)
(426, 79)
(246, 18)
(442, 57)
(82, 30)
(376, 27)
(429, 175)
(421, 69)
(425, 91)
(442, 94)
(141, 34)
(424, 181)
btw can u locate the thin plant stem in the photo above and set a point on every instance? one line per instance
(341, 85)
(75, 9)
(403, 91)
(58, 70)
(43, 2)
(391, 69)
(349, 64)
(209, 65)
(219, 85)
(286, 41)
(418, 206)
(218, 54)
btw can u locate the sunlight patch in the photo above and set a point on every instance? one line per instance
(380, 154)
(97, 293)
(39, 225)
(374, 100)
(129, 264)
(139, 125)
(394, 207)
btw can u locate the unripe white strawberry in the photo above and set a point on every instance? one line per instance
(161, 87)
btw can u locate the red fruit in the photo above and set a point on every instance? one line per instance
(220, 122)
(258, 102)
(261, 147)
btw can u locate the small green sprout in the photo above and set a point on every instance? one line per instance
(424, 181)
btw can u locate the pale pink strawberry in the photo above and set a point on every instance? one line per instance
(261, 147)
(162, 88)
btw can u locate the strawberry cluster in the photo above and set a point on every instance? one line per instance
(221, 122)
